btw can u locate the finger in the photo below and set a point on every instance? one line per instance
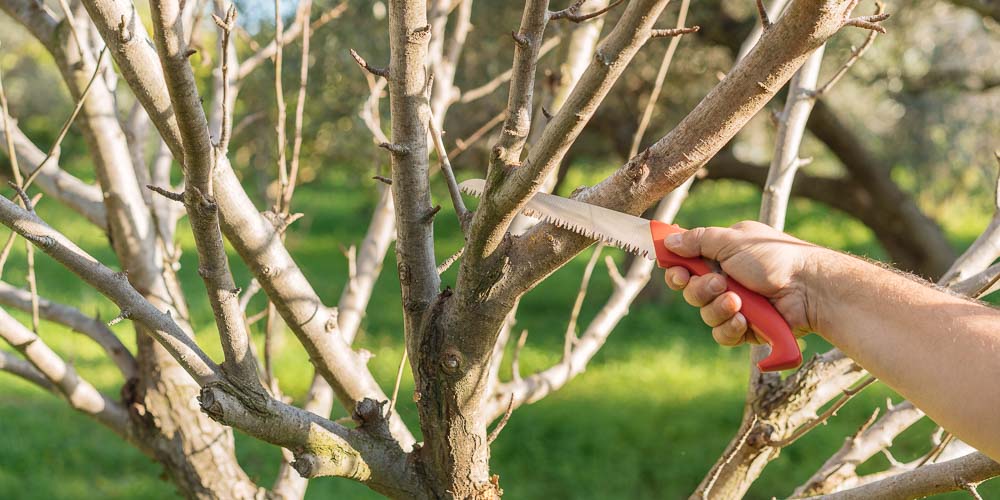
(731, 332)
(676, 277)
(701, 290)
(700, 241)
(721, 310)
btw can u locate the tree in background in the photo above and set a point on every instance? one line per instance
(145, 113)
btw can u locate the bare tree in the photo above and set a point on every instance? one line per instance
(455, 337)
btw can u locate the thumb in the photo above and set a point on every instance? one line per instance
(697, 242)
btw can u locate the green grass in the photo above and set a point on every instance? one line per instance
(652, 412)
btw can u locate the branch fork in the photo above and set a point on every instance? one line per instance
(865, 22)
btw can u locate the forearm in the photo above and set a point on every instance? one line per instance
(940, 351)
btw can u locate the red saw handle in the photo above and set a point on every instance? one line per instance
(758, 311)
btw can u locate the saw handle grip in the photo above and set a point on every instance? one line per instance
(758, 311)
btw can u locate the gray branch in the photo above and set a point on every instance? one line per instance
(114, 286)
(199, 161)
(80, 394)
(71, 317)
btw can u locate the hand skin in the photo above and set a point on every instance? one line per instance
(940, 351)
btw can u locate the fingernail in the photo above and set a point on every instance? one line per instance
(677, 280)
(716, 285)
(730, 302)
(672, 240)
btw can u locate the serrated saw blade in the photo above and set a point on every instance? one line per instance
(624, 231)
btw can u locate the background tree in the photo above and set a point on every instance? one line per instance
(144, 115)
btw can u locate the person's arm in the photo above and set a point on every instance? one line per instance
(940, 351)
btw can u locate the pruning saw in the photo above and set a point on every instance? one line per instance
(644, 237)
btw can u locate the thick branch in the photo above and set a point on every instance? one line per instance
(409, 35)
(199, 159)
(805, 26)
(507, 192)
(321, 447)
(956, 474)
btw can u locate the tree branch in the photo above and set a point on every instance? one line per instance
(251, 63)
(409, 35)
(114, 286)
(626, 289)
(93, 328)
(14, 365)
(661, 76)
(507, 190)
(321, 447)
(85, 199)
(199, 159)
(956, 474)
(82, 396)
(490, 86)
(572, 13)
(464, 217)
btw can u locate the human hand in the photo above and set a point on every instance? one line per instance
(762, 259)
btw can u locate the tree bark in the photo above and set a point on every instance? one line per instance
(197, 453)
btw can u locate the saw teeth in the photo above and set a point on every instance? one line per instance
(470, 191)
(584, 231)
(555, 221)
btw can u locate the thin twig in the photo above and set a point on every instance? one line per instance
(279, 94)
(581, 294)
(572, 13)
(170, 195)
(462, 145)
(868, 22)
(444, 266)
(225, 132)
(65, 128)
(464, 217)
(300, 104)
(937, 450)
(32, 285)
(856, 54)
(515, 359)
(74, 31)
(729, 457)
(765, 21)
(383, 72)
(254, 61)
(399, 380)
(673, 32)
(661, 76)
(495, 433)
(488, 87)
(12, 152)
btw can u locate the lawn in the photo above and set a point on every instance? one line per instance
(647, 419)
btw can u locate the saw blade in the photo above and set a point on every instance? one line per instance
(628, 232)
